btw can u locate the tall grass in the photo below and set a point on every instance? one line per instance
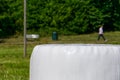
(14, 67)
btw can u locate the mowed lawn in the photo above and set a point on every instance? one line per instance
(13, 66)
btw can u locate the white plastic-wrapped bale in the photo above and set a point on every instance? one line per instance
(75, 62)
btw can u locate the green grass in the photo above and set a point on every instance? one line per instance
(14, 67)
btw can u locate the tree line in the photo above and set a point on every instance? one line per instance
(63, 16)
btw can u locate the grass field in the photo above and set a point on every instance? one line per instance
(14, 67)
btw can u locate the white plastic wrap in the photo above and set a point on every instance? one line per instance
(75, 62)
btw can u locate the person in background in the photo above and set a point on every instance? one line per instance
(101, 33)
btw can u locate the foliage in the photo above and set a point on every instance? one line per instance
(63, 16)
(10, 17)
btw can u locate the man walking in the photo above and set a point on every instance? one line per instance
(101, 33)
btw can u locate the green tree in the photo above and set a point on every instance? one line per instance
(63, 16)
(11, 17)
